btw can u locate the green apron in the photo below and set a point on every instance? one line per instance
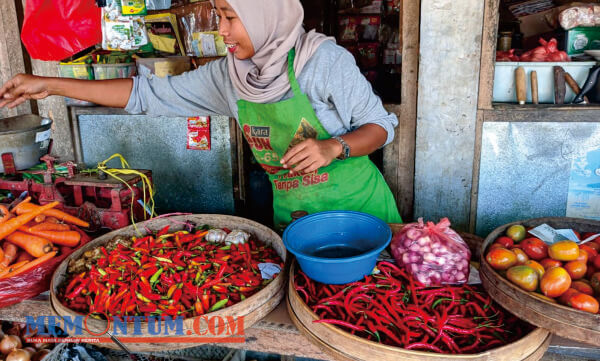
(351, 184)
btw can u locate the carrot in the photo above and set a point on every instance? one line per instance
(29, 265)
(24, 256)
(10, 253)
(46, 226)
(50, 219)
(34, 245)
(64, 238)
(5, 214)
(1, 256)
(40, 218)
(13, 224)
(25, 208)
(12, 268)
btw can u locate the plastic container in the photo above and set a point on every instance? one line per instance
(173, 65)
(337, 247)
(504, 79)
(76, 71)
(114, 71)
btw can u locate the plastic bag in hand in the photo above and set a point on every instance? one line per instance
(433, 254)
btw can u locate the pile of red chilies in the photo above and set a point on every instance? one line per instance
(177, 274)
(393, 309)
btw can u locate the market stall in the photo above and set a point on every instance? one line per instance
(97, 243)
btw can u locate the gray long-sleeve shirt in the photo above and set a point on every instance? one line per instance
(342, 98)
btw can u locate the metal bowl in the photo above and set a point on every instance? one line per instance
(27, 137)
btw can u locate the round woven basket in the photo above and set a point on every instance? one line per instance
(345, 346)
(561, 320)
(252, 308)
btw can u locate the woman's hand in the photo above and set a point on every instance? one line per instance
(21, 88)
(310, 155)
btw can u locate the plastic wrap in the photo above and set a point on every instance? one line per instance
(35, 281)
(199, 27)
(582, 15)
(433, 254)
(57, 29)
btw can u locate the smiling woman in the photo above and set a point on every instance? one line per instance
(309, 115)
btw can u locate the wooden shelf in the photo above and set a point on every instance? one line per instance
(277, 334)
(505, 112)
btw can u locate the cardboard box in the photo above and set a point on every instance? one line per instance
(539, 23)
(576, 40)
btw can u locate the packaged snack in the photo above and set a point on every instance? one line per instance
(199, 27)
(163, 33)
(369, 28)
(368, 54)
(121, 32)
(133, 7)
(198, 133)
(348, 26)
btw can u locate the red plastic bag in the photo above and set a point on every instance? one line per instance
(433, 254)
(35, 281)
(57, 29)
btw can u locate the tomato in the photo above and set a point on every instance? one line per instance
(517, 232)
(576, 269)
(584, 302)
(583, 255)
(495, 245)
(591, 270)
(586, 235)
(501, 258)
(555, 282)
(549, 263)
(564, 251)
(521, 256)
(596, 261)
(506, 242)
(537, 267)
(578, 235)
(583, 287)
(595, 282)
(524, 277)
(564, 298)
(591, 253)
(594, 245)
(535, 248)
(535, 294)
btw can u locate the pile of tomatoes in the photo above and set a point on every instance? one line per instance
(564, 272)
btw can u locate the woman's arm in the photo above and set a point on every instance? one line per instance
(365, 124)
(313, 154)
(111, 93)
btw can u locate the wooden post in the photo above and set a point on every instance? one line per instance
(12, 61)
(399, 156)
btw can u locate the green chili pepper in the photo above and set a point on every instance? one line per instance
(142, 298)
(102, 272)
(163, 259)
(219, 304)
(155, 276)
(225, 248)
(137, 261)
(440, 300)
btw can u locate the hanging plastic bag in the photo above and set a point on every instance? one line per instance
(58, 29)
(433, 254)
(158, 4)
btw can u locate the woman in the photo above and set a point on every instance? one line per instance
(311, 134)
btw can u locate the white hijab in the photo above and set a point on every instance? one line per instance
(274, 27)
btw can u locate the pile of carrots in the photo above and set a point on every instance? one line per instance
(30, 234)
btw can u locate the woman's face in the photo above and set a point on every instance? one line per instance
(233, 31)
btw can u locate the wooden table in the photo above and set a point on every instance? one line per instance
(277, 334)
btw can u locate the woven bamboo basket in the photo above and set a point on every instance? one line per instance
(561, 320)
(253, 308)
(342, 345)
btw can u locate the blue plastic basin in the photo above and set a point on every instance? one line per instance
(337, 247)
